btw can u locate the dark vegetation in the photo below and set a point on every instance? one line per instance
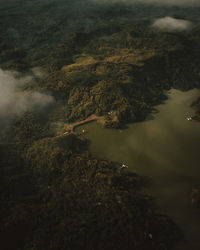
(57, 196)
(121, 53)
(54, 194)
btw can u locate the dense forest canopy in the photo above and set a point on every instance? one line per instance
(62, 61)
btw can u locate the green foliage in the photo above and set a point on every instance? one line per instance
(26, 129)
(91, 203)
(54, 194)
(58, 197)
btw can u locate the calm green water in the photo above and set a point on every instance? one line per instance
(166, 147)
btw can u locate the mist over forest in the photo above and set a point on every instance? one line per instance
(63, 62)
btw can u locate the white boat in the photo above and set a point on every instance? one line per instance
(124, 166)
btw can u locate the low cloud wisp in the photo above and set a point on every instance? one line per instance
(171, 24)
(14, 101)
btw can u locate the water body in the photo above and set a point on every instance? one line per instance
(166, 147)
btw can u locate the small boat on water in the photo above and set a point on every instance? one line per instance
(124, 166)
(189, 118)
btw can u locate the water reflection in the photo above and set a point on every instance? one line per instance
(166, 148)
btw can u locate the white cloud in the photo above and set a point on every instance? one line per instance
(37, 72)
(14, 101)
(171, 24)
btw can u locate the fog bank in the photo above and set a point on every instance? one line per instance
(171, 24)
(14, 101)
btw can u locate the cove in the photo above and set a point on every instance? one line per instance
(166, 147)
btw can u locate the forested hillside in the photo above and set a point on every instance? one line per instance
(64, 61)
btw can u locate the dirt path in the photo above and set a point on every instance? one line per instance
(71, 127)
